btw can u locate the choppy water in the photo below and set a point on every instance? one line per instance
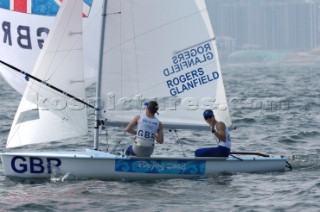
(276, 110)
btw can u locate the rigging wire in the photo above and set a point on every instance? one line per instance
(178, 142)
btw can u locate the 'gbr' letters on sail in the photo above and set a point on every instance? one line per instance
(22, 36)
(25, 24)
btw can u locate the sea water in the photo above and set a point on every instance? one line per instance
(276, 111)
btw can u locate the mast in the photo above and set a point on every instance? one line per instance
(99, 81)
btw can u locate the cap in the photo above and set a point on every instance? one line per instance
(152, 106)
(208, 114)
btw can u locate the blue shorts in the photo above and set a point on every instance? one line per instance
(219, 151)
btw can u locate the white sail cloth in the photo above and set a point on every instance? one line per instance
(45, 115)
(165, 53)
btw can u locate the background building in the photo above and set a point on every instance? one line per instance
(292, 25)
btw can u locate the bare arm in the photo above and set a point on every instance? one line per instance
(220, 133)
(131, 125)
(159, 136)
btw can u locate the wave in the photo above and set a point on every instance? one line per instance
(305, 162)
(311, 134)
(244, 121)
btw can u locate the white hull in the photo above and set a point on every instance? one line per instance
(101, 165)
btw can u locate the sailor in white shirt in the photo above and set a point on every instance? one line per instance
(222, 134)
(149, 129)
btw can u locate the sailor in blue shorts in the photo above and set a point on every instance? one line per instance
(220, 130)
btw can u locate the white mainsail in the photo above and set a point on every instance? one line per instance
(45, 115)
(148, 55)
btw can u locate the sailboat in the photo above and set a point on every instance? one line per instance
(163, 50)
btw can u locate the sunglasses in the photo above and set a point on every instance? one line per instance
(207, 117)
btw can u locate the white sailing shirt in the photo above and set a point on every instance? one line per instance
(147, 128)
(227, 143)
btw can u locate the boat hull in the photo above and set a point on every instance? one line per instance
(101, 165)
